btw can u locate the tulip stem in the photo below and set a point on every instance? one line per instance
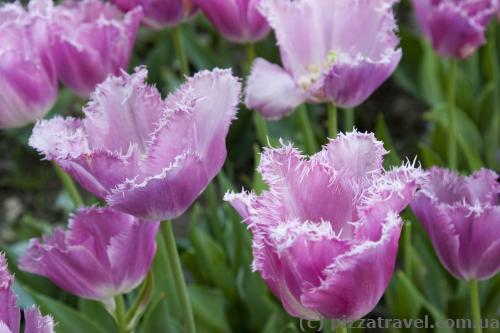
(179, 50)
(70, 186)
(341, 328)
(332, 120)
(178, 275)
(475, 306)
(310, 141)
(250, 48)
(452, 143)
(349, 119)
(120, 317)
(408, 249)
(495, 77)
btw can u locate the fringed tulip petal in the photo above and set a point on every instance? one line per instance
(89, 260)
(272, 91)
(345, 292)
(9, 312)
(91, 40)
(455, 28)
(462, 217)
(325, 61)
(237, 20)
(10, 316)
(144, 155)
(36, 323)
(325, 234)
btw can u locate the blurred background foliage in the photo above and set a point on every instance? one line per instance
(408, 113)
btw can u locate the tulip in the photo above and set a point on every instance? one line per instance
(462, 217)
(160, 13)
(10, 316)
(28, 82)
(104, 253)
(332, 51)
(325, 234)
(237, 20)
(146, 156)
(91, 40)
(456, 28)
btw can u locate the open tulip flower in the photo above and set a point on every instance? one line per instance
(160, 13)
(456, 28)
(332, 51)
(325, 234)
(104, 253)
(91, 39)
(10, 315)
(462, 217)
(237, 20)
(28, 81)
(146, 156)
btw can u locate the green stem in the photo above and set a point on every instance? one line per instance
(69, 185)
(310, 141)
(408, 249)
(452, 141)
(260, 128)
(250, 49)
(332, 120)
(493, 59)
(120, 317)
(341, 329)
(475, 306)
(178, 275)
(213, 220)
(179, 50)
(349, 119)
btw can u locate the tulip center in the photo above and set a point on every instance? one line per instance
(314, 71)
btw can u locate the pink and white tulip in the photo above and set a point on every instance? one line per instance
(146, 156)
(462, 217)
(456, 28)
(28, 81)
(161, 13)
(325, 234)
(332, 51)
(10, 315)
(104, 253)
(237, 20)
(91, 39)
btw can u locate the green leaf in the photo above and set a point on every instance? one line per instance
(96, 311)
(382, 133)
(212, 259)
(209, 309)
(431, 73)
(68, 319)
(429, 157)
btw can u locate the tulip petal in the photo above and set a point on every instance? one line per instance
(36, 323)
(272, 91)
(10, 315)
(351, 81)
(123, 111)
(163, 196)
(357, 279)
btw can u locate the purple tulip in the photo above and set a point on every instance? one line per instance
(104, 253)
(28, 82)
(332, 51)
(325, 234)
(10, 316)
(456, 28)
(237, 20)
(91, 40)
(146, 156)
(462, 217)
(161, 13)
